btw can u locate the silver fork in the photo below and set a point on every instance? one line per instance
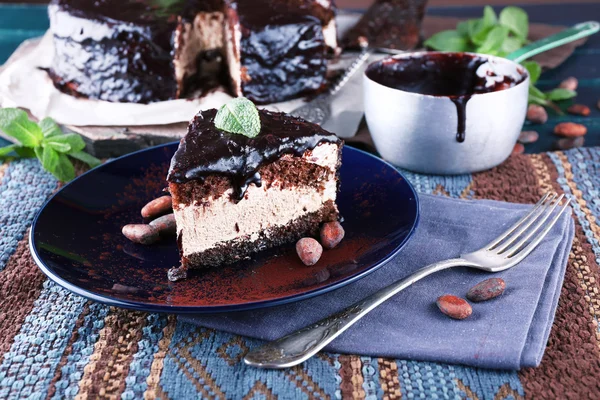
(502, 253)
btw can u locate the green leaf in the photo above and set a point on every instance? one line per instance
(49, 127)
(560, 94)
(534, 69)
(447, 41)
(57, 164)
(480, 34)
(489, 17)
(86, 158)
(511, 44)
(493, 40)
(533, 91)
(39, 153)
(60, 147)
(537, 100)
(73, 140)
(240, 115)
(463, 28)
(516, 20)
(65, 171)
(25, 152)
(7, 149)
(14, 122)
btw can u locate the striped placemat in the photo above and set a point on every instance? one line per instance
(54, 344)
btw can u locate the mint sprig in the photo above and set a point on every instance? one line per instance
(499, 35)
(44, 140)
(546, 99)
(240, 115)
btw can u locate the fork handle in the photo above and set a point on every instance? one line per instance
(299, 346)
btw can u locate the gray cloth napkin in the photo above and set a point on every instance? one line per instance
(509, 332)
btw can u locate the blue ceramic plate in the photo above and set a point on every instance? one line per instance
(76, 240)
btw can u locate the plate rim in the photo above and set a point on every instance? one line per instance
(180, 309)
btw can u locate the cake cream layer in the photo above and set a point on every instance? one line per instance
(205, 226)
(217, 219)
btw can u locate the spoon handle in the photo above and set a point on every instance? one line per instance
(568, 35)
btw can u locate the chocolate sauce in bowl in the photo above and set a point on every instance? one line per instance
(452, 75)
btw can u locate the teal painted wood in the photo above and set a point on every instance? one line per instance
(19, 22)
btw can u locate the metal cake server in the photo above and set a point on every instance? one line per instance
(502, 253)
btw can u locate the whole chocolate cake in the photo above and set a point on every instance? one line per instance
(143, 51)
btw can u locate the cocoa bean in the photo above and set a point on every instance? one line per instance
(165, 225)
(569, 143)
(528, 137)
(454, 307)
(332, 234)
(518, 149)
(157, 207)
(537, 114)
(309, 251)
(486, 290)
(579, 109)
(570, 83)
(140, 233)
(570, 129)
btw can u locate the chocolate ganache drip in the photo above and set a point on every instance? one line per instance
(206, 150)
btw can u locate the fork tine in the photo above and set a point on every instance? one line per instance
(539, 213)
(521, 254)
(510, 230)
(547, 214)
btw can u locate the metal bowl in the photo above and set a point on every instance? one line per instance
(418, 132)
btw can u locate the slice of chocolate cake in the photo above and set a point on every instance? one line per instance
(235, 195)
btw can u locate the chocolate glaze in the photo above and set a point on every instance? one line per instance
(394, 24)
(452, 75)
(206, 150)
(282, 52)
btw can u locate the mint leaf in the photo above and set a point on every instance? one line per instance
(60, 147)
(57, 164)
(560, 94)
(447, 41)
(463, 27)
(240, 115)
(534, 69)
(7, 149)
(489, 17)
(478, 37)
(72, 140)
(86, 158)
(14, 122)
(64, 171)
(511, 44)
(533, 91)
(49, 127)
(493, 40)
(537, 100)
(25, 152)
(516, 20)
